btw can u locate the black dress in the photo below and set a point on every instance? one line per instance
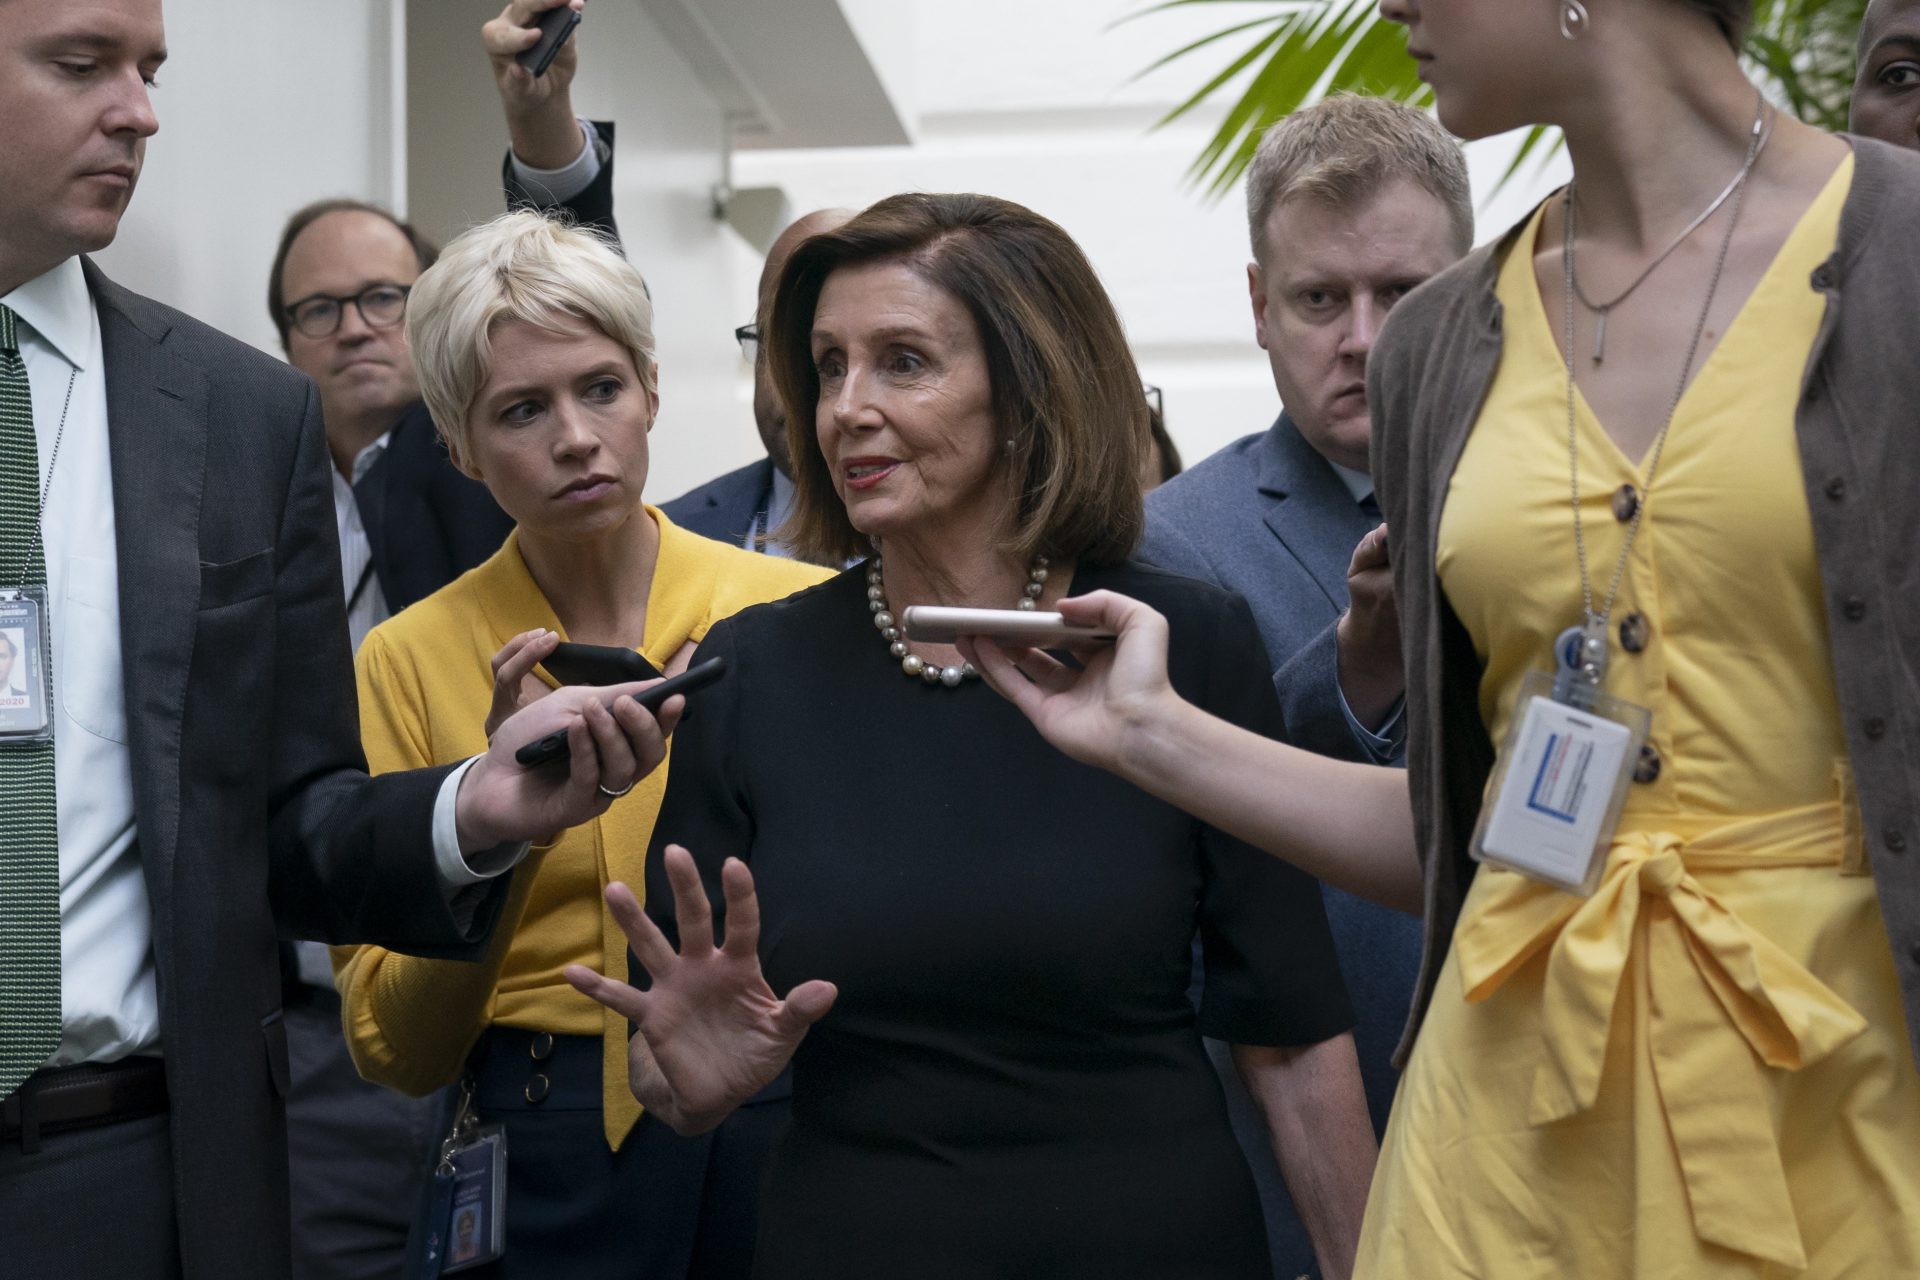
(1012, 1083)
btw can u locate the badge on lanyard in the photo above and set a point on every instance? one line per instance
(1561, 780)
(467, 1220)
(26, 671)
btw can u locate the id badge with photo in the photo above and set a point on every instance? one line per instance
(1556, 794)
(26, 670)
(467, 1222)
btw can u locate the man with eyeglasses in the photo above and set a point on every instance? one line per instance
(747, 507)
(409, 523)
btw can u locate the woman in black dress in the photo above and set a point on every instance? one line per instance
(985, 946)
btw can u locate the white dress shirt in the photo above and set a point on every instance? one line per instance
(366, 602)
(557, 186)
(109, 1004)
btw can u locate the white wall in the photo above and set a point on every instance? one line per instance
(669, 131)
(263, 107)
(1034, 102)
(266, 106)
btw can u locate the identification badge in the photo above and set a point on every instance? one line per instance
(466, 1220)
(1556, 794)
(26, 671)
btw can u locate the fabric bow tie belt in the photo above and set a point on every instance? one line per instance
(1704, 969)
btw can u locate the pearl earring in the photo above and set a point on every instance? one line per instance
(1574, 21)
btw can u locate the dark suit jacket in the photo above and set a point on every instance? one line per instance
(725, 509)
(251, 799)
(1267, 517)
(592, 209)
(426, 522)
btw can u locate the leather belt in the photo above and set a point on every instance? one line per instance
(83, 1097)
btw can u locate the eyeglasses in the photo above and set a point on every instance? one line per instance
(1154, 400)
(380, 305)
(748, 336)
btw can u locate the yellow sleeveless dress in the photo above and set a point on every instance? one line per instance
(1701, 1072)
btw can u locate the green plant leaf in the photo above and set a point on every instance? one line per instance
(1800, 51)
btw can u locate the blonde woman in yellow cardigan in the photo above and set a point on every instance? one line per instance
(535, 350)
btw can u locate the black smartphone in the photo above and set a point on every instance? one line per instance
(555, 26)
(554, 745)
(597, 664)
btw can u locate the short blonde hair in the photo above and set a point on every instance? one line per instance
(1067, 399)
(1343, 150)
(520, 266)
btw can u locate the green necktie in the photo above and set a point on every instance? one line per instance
(29, 828)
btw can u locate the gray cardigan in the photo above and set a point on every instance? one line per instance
(1858, 425)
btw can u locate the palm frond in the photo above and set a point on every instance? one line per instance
(1801, 51)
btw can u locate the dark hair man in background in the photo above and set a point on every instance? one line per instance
(1886, 85)
(1350, 203)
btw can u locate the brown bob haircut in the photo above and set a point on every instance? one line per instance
(1065, 393)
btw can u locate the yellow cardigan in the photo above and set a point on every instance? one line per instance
(425, 689)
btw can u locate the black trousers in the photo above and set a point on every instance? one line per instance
(358, 1153)
(662, 1207)
(95, 1202)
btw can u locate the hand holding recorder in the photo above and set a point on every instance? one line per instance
(1118, 690)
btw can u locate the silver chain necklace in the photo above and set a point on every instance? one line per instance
(1593, 644)
(46, 485)
(1757, 143)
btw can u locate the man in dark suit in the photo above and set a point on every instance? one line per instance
(205, 782)
(1351, 204)
(409, 522)
(744, 507)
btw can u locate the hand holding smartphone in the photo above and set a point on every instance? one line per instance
(555, 25)
(554, 747)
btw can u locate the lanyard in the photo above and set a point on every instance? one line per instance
(1591, 657)
(46, 485)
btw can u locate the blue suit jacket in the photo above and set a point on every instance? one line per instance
(724, 509)
(1267, 517)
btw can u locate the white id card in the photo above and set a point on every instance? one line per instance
(26, 684)
(1556, 796)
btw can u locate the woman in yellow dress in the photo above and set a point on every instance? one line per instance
(1659, 436)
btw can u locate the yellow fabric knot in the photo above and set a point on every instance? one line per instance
(1707, 974)
(1663, 873)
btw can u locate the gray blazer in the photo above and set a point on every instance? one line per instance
(251, 799)
(1268, 518)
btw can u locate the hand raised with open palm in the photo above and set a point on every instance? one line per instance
(711, 1032)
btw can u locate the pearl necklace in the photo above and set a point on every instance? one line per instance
(911, 664)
